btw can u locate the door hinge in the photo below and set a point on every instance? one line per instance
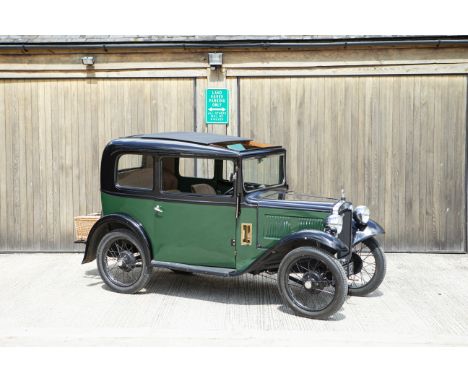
(233, 242)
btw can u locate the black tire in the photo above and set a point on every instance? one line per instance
(327, 289)
(374, 267)
(129, 270)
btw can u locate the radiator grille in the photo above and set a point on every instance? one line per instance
(345, 234)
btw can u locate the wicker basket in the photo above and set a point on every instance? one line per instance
(83, 225)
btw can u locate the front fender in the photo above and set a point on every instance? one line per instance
(272, 257)
(372, 229)
(108, 223)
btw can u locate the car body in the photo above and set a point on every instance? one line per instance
(218, 205)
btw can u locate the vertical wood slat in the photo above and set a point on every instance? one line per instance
(52, 133)
(439, 104)
(397, 144)
(3, 167)
(12, 113)
(217, 80)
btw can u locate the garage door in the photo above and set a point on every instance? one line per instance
(394, 143)
(52, 133)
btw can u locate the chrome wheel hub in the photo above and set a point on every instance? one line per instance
(312, 282)
(126, 261)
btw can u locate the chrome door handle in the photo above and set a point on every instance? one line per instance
(158, 209)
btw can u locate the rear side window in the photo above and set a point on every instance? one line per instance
(135, 171)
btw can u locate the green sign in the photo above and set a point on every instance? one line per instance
(217, 106)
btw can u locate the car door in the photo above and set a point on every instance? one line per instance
(193, 224)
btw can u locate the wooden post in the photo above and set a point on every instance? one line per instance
(216, 79)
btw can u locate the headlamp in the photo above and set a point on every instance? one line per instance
(361, 214)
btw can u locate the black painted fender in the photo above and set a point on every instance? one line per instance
(272, 257)
(108, 223)
(372, 229)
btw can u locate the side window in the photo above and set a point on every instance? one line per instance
(197, 175)
(200, 168)
(135, 171)
(201, 176)
(228, 170)
(169, 180)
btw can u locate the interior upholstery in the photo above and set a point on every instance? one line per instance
(169, 180)
(139, 178)
(203, 188)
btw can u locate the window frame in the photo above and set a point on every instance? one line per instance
(282, 184)
(192, 197)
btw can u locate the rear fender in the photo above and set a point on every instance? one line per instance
(372, 229)
(109, 223)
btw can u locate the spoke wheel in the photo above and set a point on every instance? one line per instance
(370, 266)
(312, 282)
(122, 263)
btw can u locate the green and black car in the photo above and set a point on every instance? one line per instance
(220, 205)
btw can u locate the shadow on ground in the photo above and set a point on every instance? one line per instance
(242, 290)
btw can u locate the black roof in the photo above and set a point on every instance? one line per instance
(189, 143)
(200, 138)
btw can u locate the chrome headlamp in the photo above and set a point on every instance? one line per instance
(361, 214)
(334, 223)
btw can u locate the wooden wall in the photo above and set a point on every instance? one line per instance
(396, 144)
(389, 126)
(52, 133)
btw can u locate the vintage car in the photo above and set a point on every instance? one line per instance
(220, 205)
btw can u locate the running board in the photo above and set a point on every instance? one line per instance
(214, 271)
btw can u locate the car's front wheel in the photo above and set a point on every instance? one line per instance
(370, 267)
(312, 282)
(122, 262)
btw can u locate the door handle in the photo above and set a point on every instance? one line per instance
(158, 209)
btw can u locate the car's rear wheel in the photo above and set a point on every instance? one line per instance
(370, 265)
(122, 261)
(312, 282)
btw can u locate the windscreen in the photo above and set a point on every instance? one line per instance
(263, 172)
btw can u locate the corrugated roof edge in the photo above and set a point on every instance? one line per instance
(105, 42)
(91, 39)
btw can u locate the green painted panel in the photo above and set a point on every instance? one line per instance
(276, 223)
(195, 233)
(138, 208)
(246, 254)
(201, 234)
(277, 227)
(190, 233)
(273, 224)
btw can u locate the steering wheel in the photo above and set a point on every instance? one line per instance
(228, 192)
(250, 186)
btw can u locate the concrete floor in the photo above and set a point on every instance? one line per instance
(50, 299)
